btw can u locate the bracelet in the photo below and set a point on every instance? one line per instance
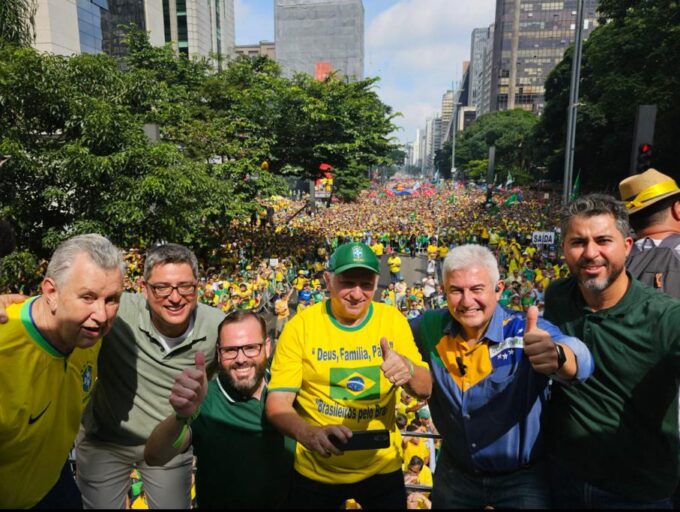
(190, 419)
(185, 427)
(177, 444)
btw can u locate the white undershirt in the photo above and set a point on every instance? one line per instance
(169, 343)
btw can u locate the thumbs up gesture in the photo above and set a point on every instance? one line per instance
(190, 388)
(538, 346)
(396, 368)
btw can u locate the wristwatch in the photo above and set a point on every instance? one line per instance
(561, 356)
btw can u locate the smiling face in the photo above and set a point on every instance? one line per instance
(84, 306)
(351, 293)
(171, 315)
(243, 373)
(472, 297)
(595, 251)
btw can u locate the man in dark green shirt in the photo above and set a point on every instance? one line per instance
(614, 439)
(241, 460)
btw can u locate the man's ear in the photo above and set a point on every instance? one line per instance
(268, 347)
(50, 294)
(675, 210)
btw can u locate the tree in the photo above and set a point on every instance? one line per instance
(80, 161)
(511, 132)
(17, 22)
(631, 59)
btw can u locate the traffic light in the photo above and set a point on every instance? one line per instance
(644, 158)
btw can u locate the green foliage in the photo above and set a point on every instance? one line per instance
(18, 273)
(632, 59)
(80, 160)
(511, 132)
(477, 168)
(17, 20)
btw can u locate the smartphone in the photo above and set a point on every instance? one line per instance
(364, 440)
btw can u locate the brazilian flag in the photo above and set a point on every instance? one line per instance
(355, 383)
(512, 199)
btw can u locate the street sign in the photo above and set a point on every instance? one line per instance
(543, 238)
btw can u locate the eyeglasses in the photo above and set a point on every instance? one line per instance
(251, 350)
(163, 291)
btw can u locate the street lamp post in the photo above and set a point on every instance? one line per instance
(573, 105)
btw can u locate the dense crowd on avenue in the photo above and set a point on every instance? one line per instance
(302, 365)
(263, 262)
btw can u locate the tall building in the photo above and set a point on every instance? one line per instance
(68, 27)
(460, 103)
(447, 114)
(433, 135)
(263, 48)
(480, 37)
(200, 27)
(320, 36)
(529, 41)
(418, 150)
(487, 71)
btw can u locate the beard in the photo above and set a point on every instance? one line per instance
(248, 386)
(600, 283)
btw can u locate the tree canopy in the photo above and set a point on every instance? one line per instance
(80, 161)
(510, 131)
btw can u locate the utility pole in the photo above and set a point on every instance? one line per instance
(573, 105)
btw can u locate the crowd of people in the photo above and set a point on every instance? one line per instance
(264, 262)
(459, 389)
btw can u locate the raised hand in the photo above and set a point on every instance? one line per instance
(538, 346)
(190, 388)
(396, 368)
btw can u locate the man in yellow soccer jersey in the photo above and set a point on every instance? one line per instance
(336, 373)
(48, 356)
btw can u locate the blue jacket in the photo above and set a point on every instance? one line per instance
(494, 425)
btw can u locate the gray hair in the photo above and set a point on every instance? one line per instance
(468, 256)
(98, 248)
(596, 204)
(169, 253)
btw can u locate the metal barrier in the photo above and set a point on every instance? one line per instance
(425, 435)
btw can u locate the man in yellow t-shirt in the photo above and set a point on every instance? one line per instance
(394, 264)
(336, 371)
(48, 355)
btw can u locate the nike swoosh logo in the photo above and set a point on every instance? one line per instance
(33, 419)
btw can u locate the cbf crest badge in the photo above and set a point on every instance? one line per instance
(87, 378)
(357, 254)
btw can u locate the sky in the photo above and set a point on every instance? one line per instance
(415, 47)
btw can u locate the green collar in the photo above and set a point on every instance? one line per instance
(34, 333)
(344, 327)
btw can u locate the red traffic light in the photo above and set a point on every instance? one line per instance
(645, 147)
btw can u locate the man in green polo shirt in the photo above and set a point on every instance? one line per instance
(227, 423)
(614, 439)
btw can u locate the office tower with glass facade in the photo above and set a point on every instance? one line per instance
(320, 36)
(68, 27)
(200, 27)
(529, 41)
(480, 37)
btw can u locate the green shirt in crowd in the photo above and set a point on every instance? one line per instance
(619, 429)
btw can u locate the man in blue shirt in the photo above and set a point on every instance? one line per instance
(492, 372)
